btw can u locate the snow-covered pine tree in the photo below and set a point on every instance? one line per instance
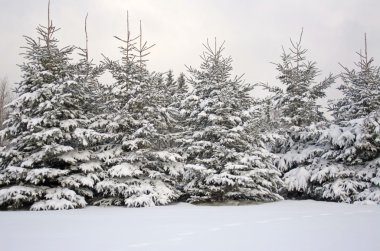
(165, 87)
(139, 169)
(177, 91)
(170, 82)
(181, 80)
(225, 161)
(170, 91)
(342, 158)
(352, 172)
(180, 91)
(297, 116)
(45, 165)
(87, 76)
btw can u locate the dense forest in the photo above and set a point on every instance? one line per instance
(153, 138)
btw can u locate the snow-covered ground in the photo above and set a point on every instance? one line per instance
(285, 225)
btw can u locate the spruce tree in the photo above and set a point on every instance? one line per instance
(170, 79)
(177, 92)
(341, 160)
(46, 164)
(354, 137)
(295, 117)
(180, 91)
(182, 83)
(225, 161)
(139, 168)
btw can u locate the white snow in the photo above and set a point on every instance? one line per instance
(124, 170)
(280, 226)
(297, 179)
(74, 156)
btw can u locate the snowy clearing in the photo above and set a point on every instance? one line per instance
(285, 225)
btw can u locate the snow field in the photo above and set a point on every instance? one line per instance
(285, 225)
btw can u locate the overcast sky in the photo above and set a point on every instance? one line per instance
(254, 30)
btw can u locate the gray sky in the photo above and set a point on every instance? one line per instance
(253, 30)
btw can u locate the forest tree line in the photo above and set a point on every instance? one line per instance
(152, 138)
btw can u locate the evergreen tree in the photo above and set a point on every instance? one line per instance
(139, 169)
(46, 164)
(225, 160)
(177, 93)
(181, 90)
(182, 83)
(340, 160)
(354, 137)
(165, 87)
(170, 78)
(295, 117)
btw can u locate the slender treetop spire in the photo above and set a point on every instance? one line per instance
(85, 30)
